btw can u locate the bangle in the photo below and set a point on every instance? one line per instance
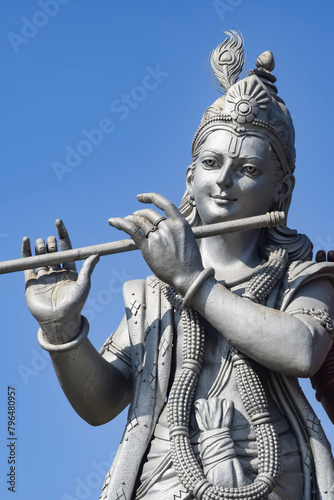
(197, 283)
(68, 345)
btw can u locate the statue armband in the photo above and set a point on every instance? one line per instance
(320, 315)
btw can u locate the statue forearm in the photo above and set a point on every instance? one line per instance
(275, 339)
(97, 391)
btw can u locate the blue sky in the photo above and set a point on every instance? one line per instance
(131, 79)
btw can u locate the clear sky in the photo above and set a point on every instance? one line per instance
(70, 68)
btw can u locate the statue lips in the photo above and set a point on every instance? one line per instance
(223, 199)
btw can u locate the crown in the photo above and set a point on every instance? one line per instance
(250, 106)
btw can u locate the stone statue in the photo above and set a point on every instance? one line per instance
(211, 345)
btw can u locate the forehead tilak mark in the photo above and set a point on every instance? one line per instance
(234, 146)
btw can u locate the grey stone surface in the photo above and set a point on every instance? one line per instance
(211, 345)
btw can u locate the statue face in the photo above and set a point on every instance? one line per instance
(234, 177)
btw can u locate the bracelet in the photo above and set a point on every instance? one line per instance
(197, 283)
(68, 345)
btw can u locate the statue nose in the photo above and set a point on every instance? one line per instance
(225, 176)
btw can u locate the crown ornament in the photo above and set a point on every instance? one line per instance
(250, 106)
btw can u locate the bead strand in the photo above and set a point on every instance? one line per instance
(251, 391)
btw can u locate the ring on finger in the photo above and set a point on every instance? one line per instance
(154, 226)
(157, 222)
(150, 230)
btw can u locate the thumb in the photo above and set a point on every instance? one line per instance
(87, 270)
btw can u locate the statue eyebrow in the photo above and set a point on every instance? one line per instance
(220, 153)
(247, 157)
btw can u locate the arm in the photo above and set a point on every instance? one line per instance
(292, 345)
(96, 387)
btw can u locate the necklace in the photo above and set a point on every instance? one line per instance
(251, 391)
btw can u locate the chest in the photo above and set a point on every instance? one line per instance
(217, 377)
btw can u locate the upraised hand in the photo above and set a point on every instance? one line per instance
(56, 295)
(168, 244)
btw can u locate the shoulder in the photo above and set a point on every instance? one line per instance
(304, 272)
(300, 274)
(133, 286)
(137, 288)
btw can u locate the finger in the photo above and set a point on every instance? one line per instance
(161, 202)
(40, 249)
(51, 244)
(26, 249)
(144, 225)
(130, 228)
(321, 256)
(86, 271)
(64, 239)
(26, 252)
(65, 243)
(330, 256)
(150, 214)
(51, 247)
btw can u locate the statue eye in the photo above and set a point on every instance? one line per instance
(251, 170)
(210, 163)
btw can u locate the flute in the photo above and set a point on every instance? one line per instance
(270, 219)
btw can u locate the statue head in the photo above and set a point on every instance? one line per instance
(250, 112)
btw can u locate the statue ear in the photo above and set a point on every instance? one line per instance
(284, 188)
(190, 178)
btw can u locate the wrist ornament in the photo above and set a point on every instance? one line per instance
(67, 346)
(195, 286)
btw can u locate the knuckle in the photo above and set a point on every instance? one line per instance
(135, 230)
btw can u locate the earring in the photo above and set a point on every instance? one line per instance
(192, 200)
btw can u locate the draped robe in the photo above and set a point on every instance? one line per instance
(144, 355)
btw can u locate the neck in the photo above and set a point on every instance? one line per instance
(233, 256)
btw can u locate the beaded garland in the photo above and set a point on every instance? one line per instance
(251, 391)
